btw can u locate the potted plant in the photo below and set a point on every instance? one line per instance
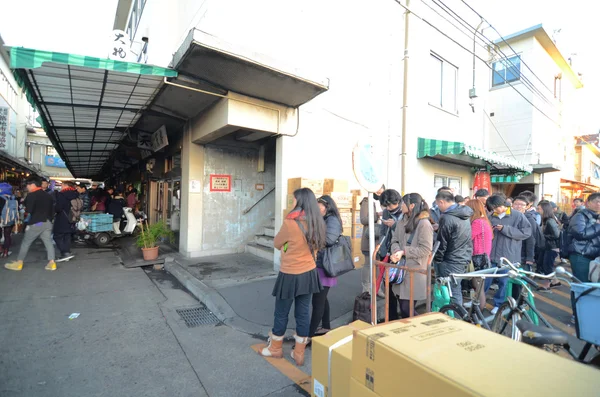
(149, 236)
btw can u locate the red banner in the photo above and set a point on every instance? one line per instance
(482, 181)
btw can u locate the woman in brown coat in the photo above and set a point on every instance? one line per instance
(413, 239)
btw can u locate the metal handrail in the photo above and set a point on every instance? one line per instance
(255, 204)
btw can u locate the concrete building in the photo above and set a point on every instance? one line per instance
(42, 155)
(239, 121)
(541, 78)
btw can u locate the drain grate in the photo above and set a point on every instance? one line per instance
(196, 316)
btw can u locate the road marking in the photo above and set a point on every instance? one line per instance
(555, 304)
(557, 324)
(563, 294)
(294, 373)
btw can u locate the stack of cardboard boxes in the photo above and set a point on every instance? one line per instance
(348, 203)
(435, 355)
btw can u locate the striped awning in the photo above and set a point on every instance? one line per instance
(457, 151)
(87, 105)
(514, 178)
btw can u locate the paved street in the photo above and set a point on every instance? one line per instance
(127, 341)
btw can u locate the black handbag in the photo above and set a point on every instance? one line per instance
(481, 261)
(337, 259)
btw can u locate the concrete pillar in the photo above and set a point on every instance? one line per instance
(192, 169)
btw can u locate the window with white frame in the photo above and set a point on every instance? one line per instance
(443, 83)
(506, 71)
(50, 151)
(453, 182)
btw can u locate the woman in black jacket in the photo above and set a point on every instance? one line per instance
(551, 231)
(320, 304)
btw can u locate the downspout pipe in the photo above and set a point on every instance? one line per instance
(404, 100)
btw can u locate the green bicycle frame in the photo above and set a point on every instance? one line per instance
(530, 299)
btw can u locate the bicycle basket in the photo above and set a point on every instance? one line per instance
(585, 300)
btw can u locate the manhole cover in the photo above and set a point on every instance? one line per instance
(196, 316)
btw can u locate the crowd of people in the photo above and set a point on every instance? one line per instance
(473, 234)
(51, 215)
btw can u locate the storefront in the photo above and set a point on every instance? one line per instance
(570, 190)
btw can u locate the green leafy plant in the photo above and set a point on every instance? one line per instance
(151, 234)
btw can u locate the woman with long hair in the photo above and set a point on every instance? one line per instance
(482, 235)
(320, 304)
(300, 238)
(413, 240)
(551, 232)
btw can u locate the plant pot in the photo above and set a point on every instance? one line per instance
(150, 254)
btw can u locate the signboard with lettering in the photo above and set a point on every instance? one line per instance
(159, 139)
(3, 127)
(55, 161)
(220, 183)
(119, 46)
(144, 140)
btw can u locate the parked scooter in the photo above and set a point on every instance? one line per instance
(99, 227)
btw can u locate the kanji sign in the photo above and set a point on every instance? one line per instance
(220, 183)
(144, 140)
(119, 46)
(3, 126)
(159, 139)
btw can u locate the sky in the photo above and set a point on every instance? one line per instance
(83, 27)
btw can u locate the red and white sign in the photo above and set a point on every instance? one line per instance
(220, 183)
(482, 181)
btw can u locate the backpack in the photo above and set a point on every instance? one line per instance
(540, 240)
(10, 212)
(362, 308)
(75, 211)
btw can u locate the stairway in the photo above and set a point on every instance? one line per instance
(262, 246)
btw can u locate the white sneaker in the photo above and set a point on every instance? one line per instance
(494, 311)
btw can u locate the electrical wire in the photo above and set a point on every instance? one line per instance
(504, 58)
(501, 137)
(477, 56)
(509, 46)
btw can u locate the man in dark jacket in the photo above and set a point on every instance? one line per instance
(584, 236)
(454, 234)
(63, 227)
(511, 228)
(435, 213)
(85, 198)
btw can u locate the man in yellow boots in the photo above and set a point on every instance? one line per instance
(40, 207)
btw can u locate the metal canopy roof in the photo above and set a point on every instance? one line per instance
(87, 104)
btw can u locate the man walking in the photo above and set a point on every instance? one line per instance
(584, 233)
(63, 223)
(511, 228)
(40, 207)
(454, 234)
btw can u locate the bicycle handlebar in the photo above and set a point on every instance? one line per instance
(561, 271)
(528, 273)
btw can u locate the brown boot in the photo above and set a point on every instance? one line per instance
(298, 352)
(274, 348)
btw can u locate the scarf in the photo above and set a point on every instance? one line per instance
(35, 189)
(67, 189)
(296, 214)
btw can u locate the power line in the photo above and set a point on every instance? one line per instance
(477, 56)
(509, 46)
(498, 51)
(501, 137)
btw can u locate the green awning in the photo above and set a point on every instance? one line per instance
(87, 105)
(506, 178)
(461, 153)
(27, 58)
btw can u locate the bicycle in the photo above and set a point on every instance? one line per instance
(474, 314)
(511, 311)
(552, 339)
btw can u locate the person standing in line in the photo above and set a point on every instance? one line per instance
(532, 207)
(482, 195)
(364, 241)
(511, 228)
(63, 227)
(301, 236)
(40, 206)
(9, 212)
(320, 304)
(99, 201)
(551, 231)
(115, 208)
(131, 197)
(584, 235)
(435, 213)
(560, 215)
(454, 234)
(481, 236)
(413, 240)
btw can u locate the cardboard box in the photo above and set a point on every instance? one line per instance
(316, 185)
(339, 341)
(346, 216)
(358, 390)
(357, 231)
(334, 185)
(347, 231)
(343, 200)
(435, 355)
(359, 258)
(289, 202)
(357, 201)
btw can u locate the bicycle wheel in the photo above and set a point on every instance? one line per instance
(505, 322)
(455, 311)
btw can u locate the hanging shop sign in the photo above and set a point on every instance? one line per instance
(159, 139)
(144, 140)
(220, 183)
(482, 180)
(3, 126)
(55, 161)
(119, 45)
